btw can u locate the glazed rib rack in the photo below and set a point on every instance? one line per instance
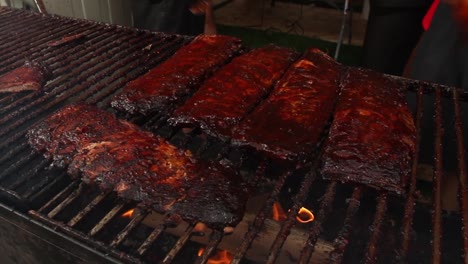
(352, 223)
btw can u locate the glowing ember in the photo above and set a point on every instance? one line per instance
(200, 251)
(222, 257)
(129, 213)
(228, 230)
(278, 213)
(305, 215)
(200, 227)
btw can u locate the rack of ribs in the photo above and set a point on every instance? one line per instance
(234, 90)
(289, 123)
(168, 84)
(29, 77)
(116, 155)
(372, 137)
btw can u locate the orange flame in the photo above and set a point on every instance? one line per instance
(222, 257)
(304, 215)
(200, 251)
(129, 213)
(200, 227)
(278, 213)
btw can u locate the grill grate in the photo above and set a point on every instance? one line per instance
(350, 221)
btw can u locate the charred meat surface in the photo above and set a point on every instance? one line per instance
(117, 155)
(234, 90)
(29, 77)
(289, 123)
(372, 137)
(65, 40)
(173, 80)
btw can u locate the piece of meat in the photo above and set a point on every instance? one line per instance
(172, 81)
(65, 40)
(64, 133)
(234, 90)
(29, 77)
(289, 123)
(117, 155)
(372, 137)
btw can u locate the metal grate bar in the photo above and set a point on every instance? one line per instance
(117, 256)
(18, 149)
(55, 29)
(410, 202)
(178, 245)
(159, 55)
(17, 106)
(20, 35)
(204, 147)
(65, 202)
(256, 226)
(11, 140)
(5, 12)
(49, 54)
(103, 67)
(67, 189)
(11, 194)
(437, 202)
(137, 217)
(150, 239)
(215, 239)
(316, 229)
(152, 122)
(44, 186)
(10, 31)
(30, 174)
(341, 242)
(32, 24)
(106, 219)
(371, 253)
(87, 209)
(291, 220)
(15, 31)
(18, 164)
(9, 14)
(69, 64)
(463, 189)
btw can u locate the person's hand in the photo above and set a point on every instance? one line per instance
(200, 7)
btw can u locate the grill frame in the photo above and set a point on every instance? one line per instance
(20, 111)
